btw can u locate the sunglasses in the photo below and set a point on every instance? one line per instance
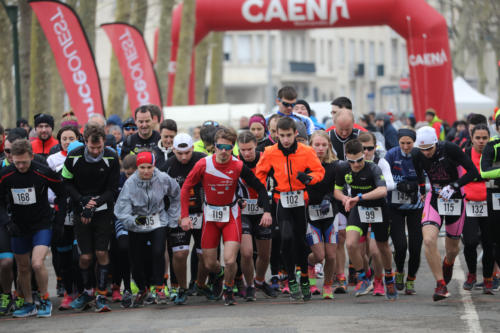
(359, 160)
(369, 148)
(222, 146)
(7, 150)
(428, 148)
(211, 123)
(130, 128)
(288, 105)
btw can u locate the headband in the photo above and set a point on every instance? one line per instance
(257, 119)
(145, 157)
(407, 132)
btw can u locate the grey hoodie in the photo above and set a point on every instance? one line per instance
(145, 198)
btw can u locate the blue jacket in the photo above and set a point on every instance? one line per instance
(390, 134)
(402, 169)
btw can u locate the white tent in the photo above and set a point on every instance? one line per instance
(469, 100)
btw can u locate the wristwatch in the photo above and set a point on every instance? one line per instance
(360, 196)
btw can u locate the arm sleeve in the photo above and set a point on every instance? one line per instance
(174, 195)
(340, 178)
(418, 169)
(123, 207)
(67, 174)
(317, 171)
(459, 156)
(252, 181)
(386, 171)
(263, 167)
(193, 178)
(488, 170)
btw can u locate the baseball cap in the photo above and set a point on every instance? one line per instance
(129, 121)
(183, 142)
(426, 136)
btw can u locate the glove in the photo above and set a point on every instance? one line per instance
(447, 192)
(140, 220)
(84, 200)
(324, 207)
(407, 187)
(13, 229)
(88, 212)
(304, 178)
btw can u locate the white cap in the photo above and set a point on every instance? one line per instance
(426, 136)
(183, 142)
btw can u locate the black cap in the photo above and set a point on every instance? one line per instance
(21, 122)
(128, 121)
(44, 118)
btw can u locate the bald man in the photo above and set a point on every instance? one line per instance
(344, 131)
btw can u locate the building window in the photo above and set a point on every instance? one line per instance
(322, 52)
(293, 48)
(352, 50)
(258, 49)
(381, 50)
(302, 48)
(312, 50)
(362, 52)
(342, 52)
(329, 56)
(228, 47)
(394, 53)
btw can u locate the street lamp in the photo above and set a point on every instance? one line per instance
(12, 14)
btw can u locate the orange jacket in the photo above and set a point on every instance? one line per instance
(43, 147)
(286, 168)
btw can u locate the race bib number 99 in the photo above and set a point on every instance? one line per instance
(370, 214)
(252, 208)
(292, 199)
(24, 196)
(216, 213)
(196, 220)
(452, 207)
(476, 209)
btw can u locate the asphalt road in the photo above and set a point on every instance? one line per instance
(462, 312)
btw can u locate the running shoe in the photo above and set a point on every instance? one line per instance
(363, 287)
(181, 297)
(378, 287)
(151, 297)
(250, 294)
(161, 298)
(266, 289)
(101, 304)
(45, 309)
(312, 276)
(496, 284)
(217, 287)
(390, 290)
(59, 288)
(19, 302)
(7, 305)
(36, 297)
(140, 297)
(470, 282)
(27, 310)
(488, 287)
(479, 286)
(173, 293)
(447, 271)
(295, 294)
(315, 290)
(410, 288)
(275, 283)
(191, 291)
(306, 291)
(116, 296)
(204, 291)
(239, 285)
(318, 268)
(82, 302)
(228, 296)
(126, 299)
(400, 281)
(285, 289)
(441, 292)
(66, 303)
(342, 287)
(327, 292)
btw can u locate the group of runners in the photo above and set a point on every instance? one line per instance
(123, 222)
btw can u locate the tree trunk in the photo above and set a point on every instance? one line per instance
(480, 51)
(116, 87)
(216, 90)
(24, 56)
(164, 44)
(184, 53)
(87, 12)
(39, 80)
(201, 62)
(7, 112)
(139, 14)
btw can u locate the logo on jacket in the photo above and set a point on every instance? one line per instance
(348, 178)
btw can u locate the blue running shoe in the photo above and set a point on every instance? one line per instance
(363, 287)
(27, 310)
(82, 302)
(181, 297)
(101, 304)
(390, 290)
(45, 308)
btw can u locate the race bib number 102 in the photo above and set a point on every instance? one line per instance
(292, 199)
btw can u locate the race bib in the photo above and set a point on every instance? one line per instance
(196, 220)
(24, 196)
(292, 199)
(476, 209)
(370, 214)
(400, 197)
(216, 213)
(252, 208)
(315, 212)
(495, 199)
(152, 222)
(452, 207)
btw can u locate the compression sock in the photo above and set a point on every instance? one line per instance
(389, 275)
(86, 279)
(102, 277)
(410, 278)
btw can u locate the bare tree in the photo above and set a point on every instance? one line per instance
(164, 44)
(24, 54)
(7, 113)
(184, 53)
(87, 11)
(139, 13)
(216, 90)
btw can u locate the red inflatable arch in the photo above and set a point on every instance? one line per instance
(422, 26)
